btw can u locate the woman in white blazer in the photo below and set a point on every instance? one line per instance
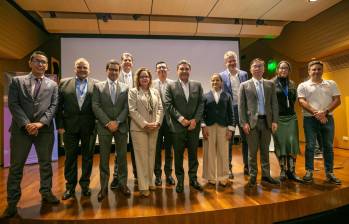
(146, 114)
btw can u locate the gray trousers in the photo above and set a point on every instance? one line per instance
(20, 144)
(259, 137)
(105, 142)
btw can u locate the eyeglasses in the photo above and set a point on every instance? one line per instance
(144, 77)
(38, 62)
(161, 68)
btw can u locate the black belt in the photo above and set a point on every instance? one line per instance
(262, 116)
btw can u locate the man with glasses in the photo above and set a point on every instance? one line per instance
(259, 113)
(32, 101)
(164, 137)
(76, 121)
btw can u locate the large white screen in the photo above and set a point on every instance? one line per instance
(205, 56)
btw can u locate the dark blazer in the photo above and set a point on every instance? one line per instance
(242, 75)
(69, 115)
(27, 109)
(221, 113)
(176, 104)
(248, 103)
(106, 111)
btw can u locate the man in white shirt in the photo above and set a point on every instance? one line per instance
(318, 98)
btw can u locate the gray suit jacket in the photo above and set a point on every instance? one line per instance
(106, 111)
(248, 103)
(139, 114)
(176, 104)
(26, 109)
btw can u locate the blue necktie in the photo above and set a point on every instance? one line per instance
(261, 109)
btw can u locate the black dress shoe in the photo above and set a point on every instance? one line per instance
(158, 181)
(246, 171)
(125, 190)
(86, 192)
(68, 194)
(114, 184)
(170, 180)
(270, 180)
(49, 198)
(195, 184)
(102, 194)
(10, 211)
(231, 175)
(252, 182)
(179, 187)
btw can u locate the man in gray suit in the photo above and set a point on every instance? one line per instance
(127, 77)
(184, 105)
(109, 104)
(76, 121)
(32, 101)
(258, 110)
(164, 136)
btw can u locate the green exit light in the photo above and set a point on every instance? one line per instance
(271, 66)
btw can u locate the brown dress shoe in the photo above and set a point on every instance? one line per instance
(125, 190)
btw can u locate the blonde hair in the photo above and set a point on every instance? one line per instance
(230, 54)
(79, 60)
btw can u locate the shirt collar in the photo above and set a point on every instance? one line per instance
(323, 82)
(182, 83)
(255, 81)
(80, 81)
(219, 91)
(32, 76)
(128, 74)
(111, 81)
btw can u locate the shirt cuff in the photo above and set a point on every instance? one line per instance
(180, 119)
(203, 125)
(231, 128)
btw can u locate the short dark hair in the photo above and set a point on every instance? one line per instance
(217, 74)
(112, 62)
(160, 62)
(37, 53)
(138, 73)
(315, 62)
(256, 60)
(183, 62)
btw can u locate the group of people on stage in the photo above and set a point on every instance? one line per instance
(169, 113)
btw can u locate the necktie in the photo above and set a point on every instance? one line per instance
(37, 87)
(260, 98)
(112, 92)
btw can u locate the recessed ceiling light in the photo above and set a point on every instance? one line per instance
(312, 0)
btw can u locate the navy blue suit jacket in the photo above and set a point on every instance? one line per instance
(227, 83)
(221, 112)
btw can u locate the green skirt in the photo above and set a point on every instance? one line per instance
(286, 141)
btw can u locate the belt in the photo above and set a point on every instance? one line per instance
(262, 116)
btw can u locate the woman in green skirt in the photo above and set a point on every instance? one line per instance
(286, 139)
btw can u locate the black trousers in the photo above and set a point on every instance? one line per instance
(164, 139)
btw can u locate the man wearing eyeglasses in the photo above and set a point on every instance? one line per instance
(76, 121)
(32, 101)
(164, 137)
(258, 113)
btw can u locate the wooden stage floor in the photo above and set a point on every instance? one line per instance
(233, 204)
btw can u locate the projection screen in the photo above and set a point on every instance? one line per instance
(205, 56)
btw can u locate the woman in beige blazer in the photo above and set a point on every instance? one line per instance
(146, 116)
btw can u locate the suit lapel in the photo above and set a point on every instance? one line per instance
(106, 92)
(72, 86)
(89, 91)
(181, 91)
(28, 85)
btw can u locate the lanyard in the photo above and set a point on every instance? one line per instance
(285, 91)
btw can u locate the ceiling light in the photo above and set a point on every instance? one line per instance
(312, 0)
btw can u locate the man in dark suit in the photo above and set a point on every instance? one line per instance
(32, 101)
(184, 104)
(258, 110)
(232, 78)
(109, 104)
(127, 77)
(164, 135)
(76, 121)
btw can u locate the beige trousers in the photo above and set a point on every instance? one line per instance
(216, 157)
(144, 145)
